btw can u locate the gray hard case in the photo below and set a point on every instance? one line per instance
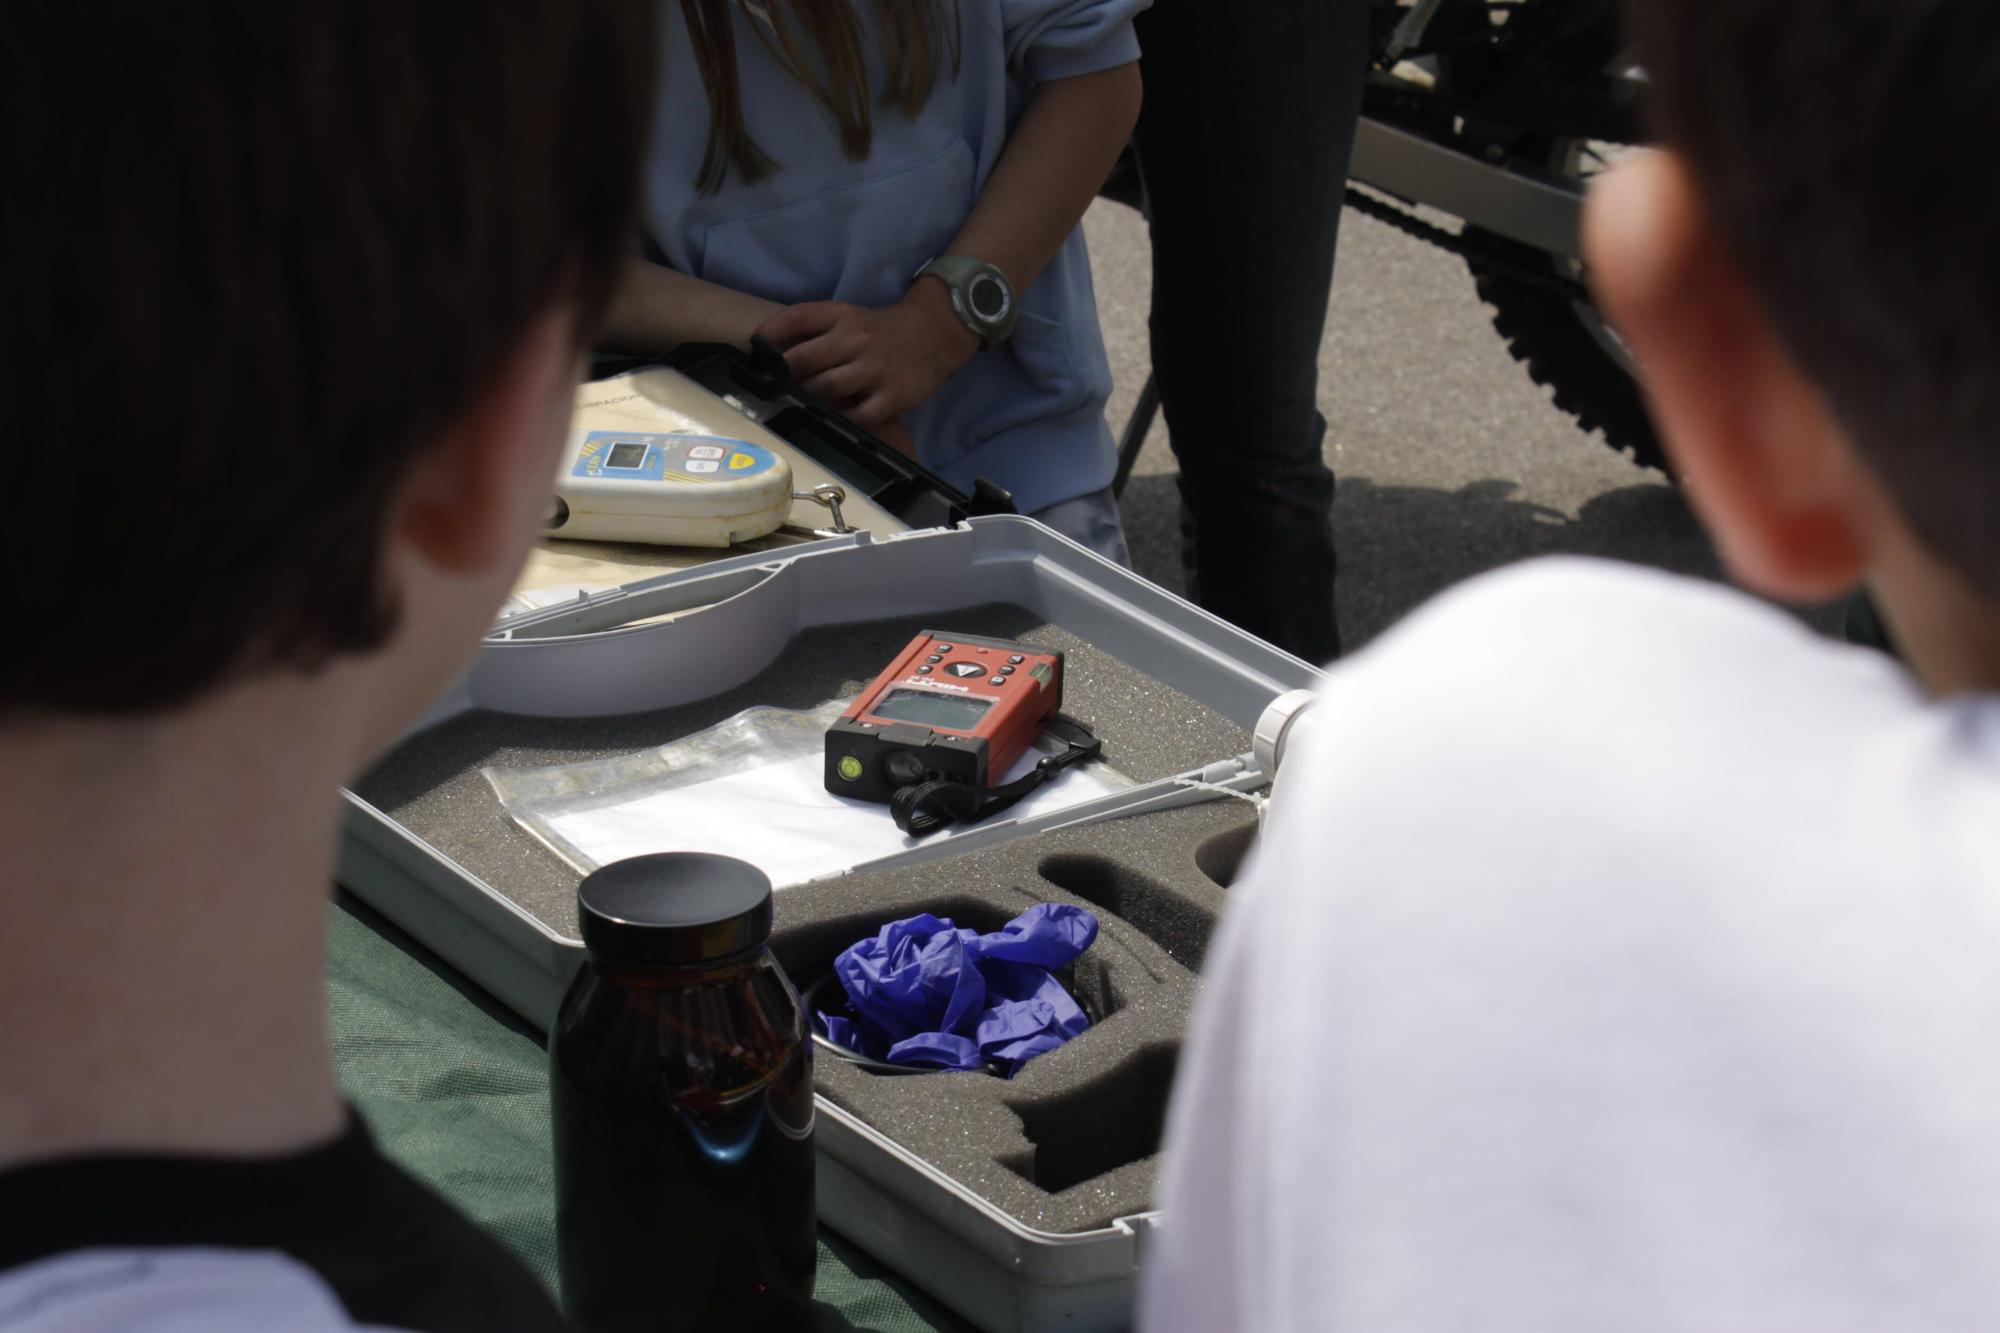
(670, 641)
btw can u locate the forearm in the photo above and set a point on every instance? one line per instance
(1055, 161)
(655, 309)
(878, 362)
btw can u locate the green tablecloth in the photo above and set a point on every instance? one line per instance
(456, 1089)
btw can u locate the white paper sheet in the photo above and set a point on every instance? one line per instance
(767, 804)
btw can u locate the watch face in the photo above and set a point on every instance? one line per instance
(988, 296)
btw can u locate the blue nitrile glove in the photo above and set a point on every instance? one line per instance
(926, 993)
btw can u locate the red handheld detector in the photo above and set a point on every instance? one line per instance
(950, 708)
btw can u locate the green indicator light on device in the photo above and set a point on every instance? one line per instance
(850, 768)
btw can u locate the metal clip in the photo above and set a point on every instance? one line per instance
(832, 497)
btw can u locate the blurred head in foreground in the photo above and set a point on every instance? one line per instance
(291, 314)
(1806, 272)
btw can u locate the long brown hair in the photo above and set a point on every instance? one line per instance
(818, 42)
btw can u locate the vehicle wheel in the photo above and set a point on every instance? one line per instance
(1565, 344)
(1564, 341)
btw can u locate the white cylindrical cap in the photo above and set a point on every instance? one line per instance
(1267, 744)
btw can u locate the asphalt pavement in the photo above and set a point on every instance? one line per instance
(1450, 461)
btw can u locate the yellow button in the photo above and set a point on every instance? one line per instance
(737, 462)
(850, 768)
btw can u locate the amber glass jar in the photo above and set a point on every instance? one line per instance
(681, 1086)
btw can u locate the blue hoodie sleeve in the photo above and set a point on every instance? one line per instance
(1059, 39)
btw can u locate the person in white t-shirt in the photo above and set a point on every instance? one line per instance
(1619, 955)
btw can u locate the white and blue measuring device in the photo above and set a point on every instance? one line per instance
(671, 489)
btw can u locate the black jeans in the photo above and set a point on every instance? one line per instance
(1243, 147)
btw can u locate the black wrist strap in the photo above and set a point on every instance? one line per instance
(926, 807)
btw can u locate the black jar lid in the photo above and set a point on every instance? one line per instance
(675, 908)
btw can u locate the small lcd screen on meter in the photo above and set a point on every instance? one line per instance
(626, 455)
(931, 710)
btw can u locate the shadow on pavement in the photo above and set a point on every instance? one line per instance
(1401, 545)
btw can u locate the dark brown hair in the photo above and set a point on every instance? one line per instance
(257, 253)
(818, 43)
(1844, 149)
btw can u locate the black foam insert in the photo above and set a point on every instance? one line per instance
(1070, 1143)
(1116, 1119)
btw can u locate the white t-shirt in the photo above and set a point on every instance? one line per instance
(1619, 956)
(169, 1291)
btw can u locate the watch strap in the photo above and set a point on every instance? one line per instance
(975, 286)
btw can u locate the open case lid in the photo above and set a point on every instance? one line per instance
(750, 606)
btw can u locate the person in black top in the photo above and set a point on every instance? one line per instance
(1243, 144)
(290, 320)
(389, 1250)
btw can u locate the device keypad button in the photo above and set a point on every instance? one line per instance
(1017, 659)
(940, 647)
(923, 671)
(1007, 671)
(934, 660)
(997, 680)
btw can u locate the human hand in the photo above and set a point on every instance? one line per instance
(874, 363)
(897, 436)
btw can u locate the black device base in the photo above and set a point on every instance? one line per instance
(875, 761)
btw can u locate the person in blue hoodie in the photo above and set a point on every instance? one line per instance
(890, 190)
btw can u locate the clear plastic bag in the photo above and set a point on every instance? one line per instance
(751, 787)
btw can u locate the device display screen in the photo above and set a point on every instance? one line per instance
(951, 712)
(626, 454)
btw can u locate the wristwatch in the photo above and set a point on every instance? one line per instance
(980, 294)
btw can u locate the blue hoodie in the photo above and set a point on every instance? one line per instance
(1028, 415)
